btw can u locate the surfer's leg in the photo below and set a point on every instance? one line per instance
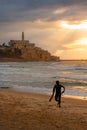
(55, 97)
(59, 100)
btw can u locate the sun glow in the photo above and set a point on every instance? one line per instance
(82, 25)
(82, 41)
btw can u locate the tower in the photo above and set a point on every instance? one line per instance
(22, 36)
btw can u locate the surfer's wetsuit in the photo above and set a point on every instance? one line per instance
(57, 90)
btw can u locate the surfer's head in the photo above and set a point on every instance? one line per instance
(57, 82)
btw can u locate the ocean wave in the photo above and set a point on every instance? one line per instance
(42, 75)
(80, 68)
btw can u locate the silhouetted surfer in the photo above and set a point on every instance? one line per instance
(57, 90)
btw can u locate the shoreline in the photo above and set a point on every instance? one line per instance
(49, 93)
(75, 97)
(42, 93)
(15, 59)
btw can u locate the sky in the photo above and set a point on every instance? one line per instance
(59, 26)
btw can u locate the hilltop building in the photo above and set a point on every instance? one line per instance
(27, 51)
(20, 43)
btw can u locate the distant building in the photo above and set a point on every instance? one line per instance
(27, 51)
(20, 43)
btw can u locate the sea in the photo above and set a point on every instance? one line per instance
(40, 77)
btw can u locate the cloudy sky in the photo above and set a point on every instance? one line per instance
(59, 26)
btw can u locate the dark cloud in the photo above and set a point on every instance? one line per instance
(17, 10)
(41, 3)
(39, 19)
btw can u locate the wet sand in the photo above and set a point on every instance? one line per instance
(31, 111)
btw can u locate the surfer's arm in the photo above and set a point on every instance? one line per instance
(63, 89)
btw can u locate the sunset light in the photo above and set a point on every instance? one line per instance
(58, 26)
(43, 64)
(83, 41)
(82, 25)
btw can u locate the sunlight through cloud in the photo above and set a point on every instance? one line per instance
(82, 41)
(82, 25)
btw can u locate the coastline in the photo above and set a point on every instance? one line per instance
(75, 97)
(27, 110)
(12, 60)
(49, 93)
(5, 59)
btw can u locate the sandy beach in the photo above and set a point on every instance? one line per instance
(31, 111)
